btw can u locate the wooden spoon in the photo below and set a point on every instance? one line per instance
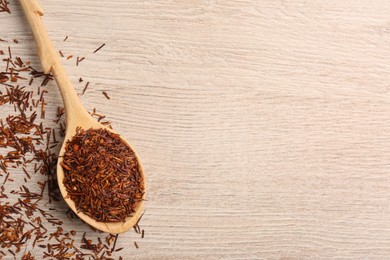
(76, 114)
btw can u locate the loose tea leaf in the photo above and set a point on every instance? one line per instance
(4, 6)
(106, 95)
(98, 49)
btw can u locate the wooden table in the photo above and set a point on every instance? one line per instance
(263, 126)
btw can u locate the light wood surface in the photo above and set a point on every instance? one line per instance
(263, 126)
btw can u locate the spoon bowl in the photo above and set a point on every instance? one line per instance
(76, 116)
(87, 122)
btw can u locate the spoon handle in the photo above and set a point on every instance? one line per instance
(51, 62)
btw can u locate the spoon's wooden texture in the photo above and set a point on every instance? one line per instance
(76, 114)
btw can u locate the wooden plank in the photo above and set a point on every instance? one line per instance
(263, 125)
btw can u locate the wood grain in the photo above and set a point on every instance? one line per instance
(263, 126)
